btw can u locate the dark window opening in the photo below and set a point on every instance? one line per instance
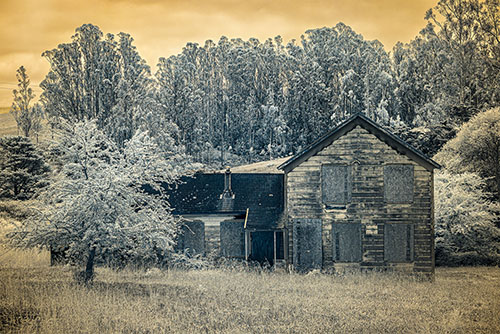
(266, 246)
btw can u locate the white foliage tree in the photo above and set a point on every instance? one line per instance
(476, 149)
(464, 217)
(97, 205)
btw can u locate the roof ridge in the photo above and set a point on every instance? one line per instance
(384, 131)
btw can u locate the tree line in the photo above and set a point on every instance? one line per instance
(236, 101)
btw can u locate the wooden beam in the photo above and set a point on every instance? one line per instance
(246, 218)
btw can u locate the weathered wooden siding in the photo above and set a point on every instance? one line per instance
(366, 155)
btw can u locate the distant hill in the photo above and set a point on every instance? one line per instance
(8, 124)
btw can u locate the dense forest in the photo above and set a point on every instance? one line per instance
(236, 101)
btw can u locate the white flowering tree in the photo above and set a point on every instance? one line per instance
(98, 205)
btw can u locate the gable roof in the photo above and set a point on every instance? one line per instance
(200, 194)
(372, 127)
(262, 167)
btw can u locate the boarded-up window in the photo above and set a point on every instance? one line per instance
(192, 237)
(398, 183)
(232, 239)
(347, 242)
(398, 242)
(335, 184)
(307, 245)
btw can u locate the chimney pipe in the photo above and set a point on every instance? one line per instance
(228, 192)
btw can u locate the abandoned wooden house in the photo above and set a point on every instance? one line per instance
(359, 197)
(231, 215)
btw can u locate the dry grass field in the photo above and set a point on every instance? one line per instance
(8, 126)
(37, 298)
(7, 123)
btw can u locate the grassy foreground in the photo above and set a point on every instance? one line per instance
(36, 298)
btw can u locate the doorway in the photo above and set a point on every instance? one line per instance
(265, 246)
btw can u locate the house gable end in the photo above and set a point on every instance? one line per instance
(367, 124)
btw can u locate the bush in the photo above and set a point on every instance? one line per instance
(465, 221)
(449, 259)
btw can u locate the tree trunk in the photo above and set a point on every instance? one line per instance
(89, 269)
(497, 172)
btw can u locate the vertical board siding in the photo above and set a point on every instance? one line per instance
(366, 156)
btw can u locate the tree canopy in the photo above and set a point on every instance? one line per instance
(97, 206)
(235, 101)
(23, 169)
(476, 149)
(99, 78)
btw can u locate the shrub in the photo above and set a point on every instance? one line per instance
(465, 228)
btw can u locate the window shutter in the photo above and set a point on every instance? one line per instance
(192, 237)
(398, 183)
(398, 242)
(232, 239)
(335, 184)
(307, 244)
(347, 242)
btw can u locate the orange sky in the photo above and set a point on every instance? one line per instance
(162, 27)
